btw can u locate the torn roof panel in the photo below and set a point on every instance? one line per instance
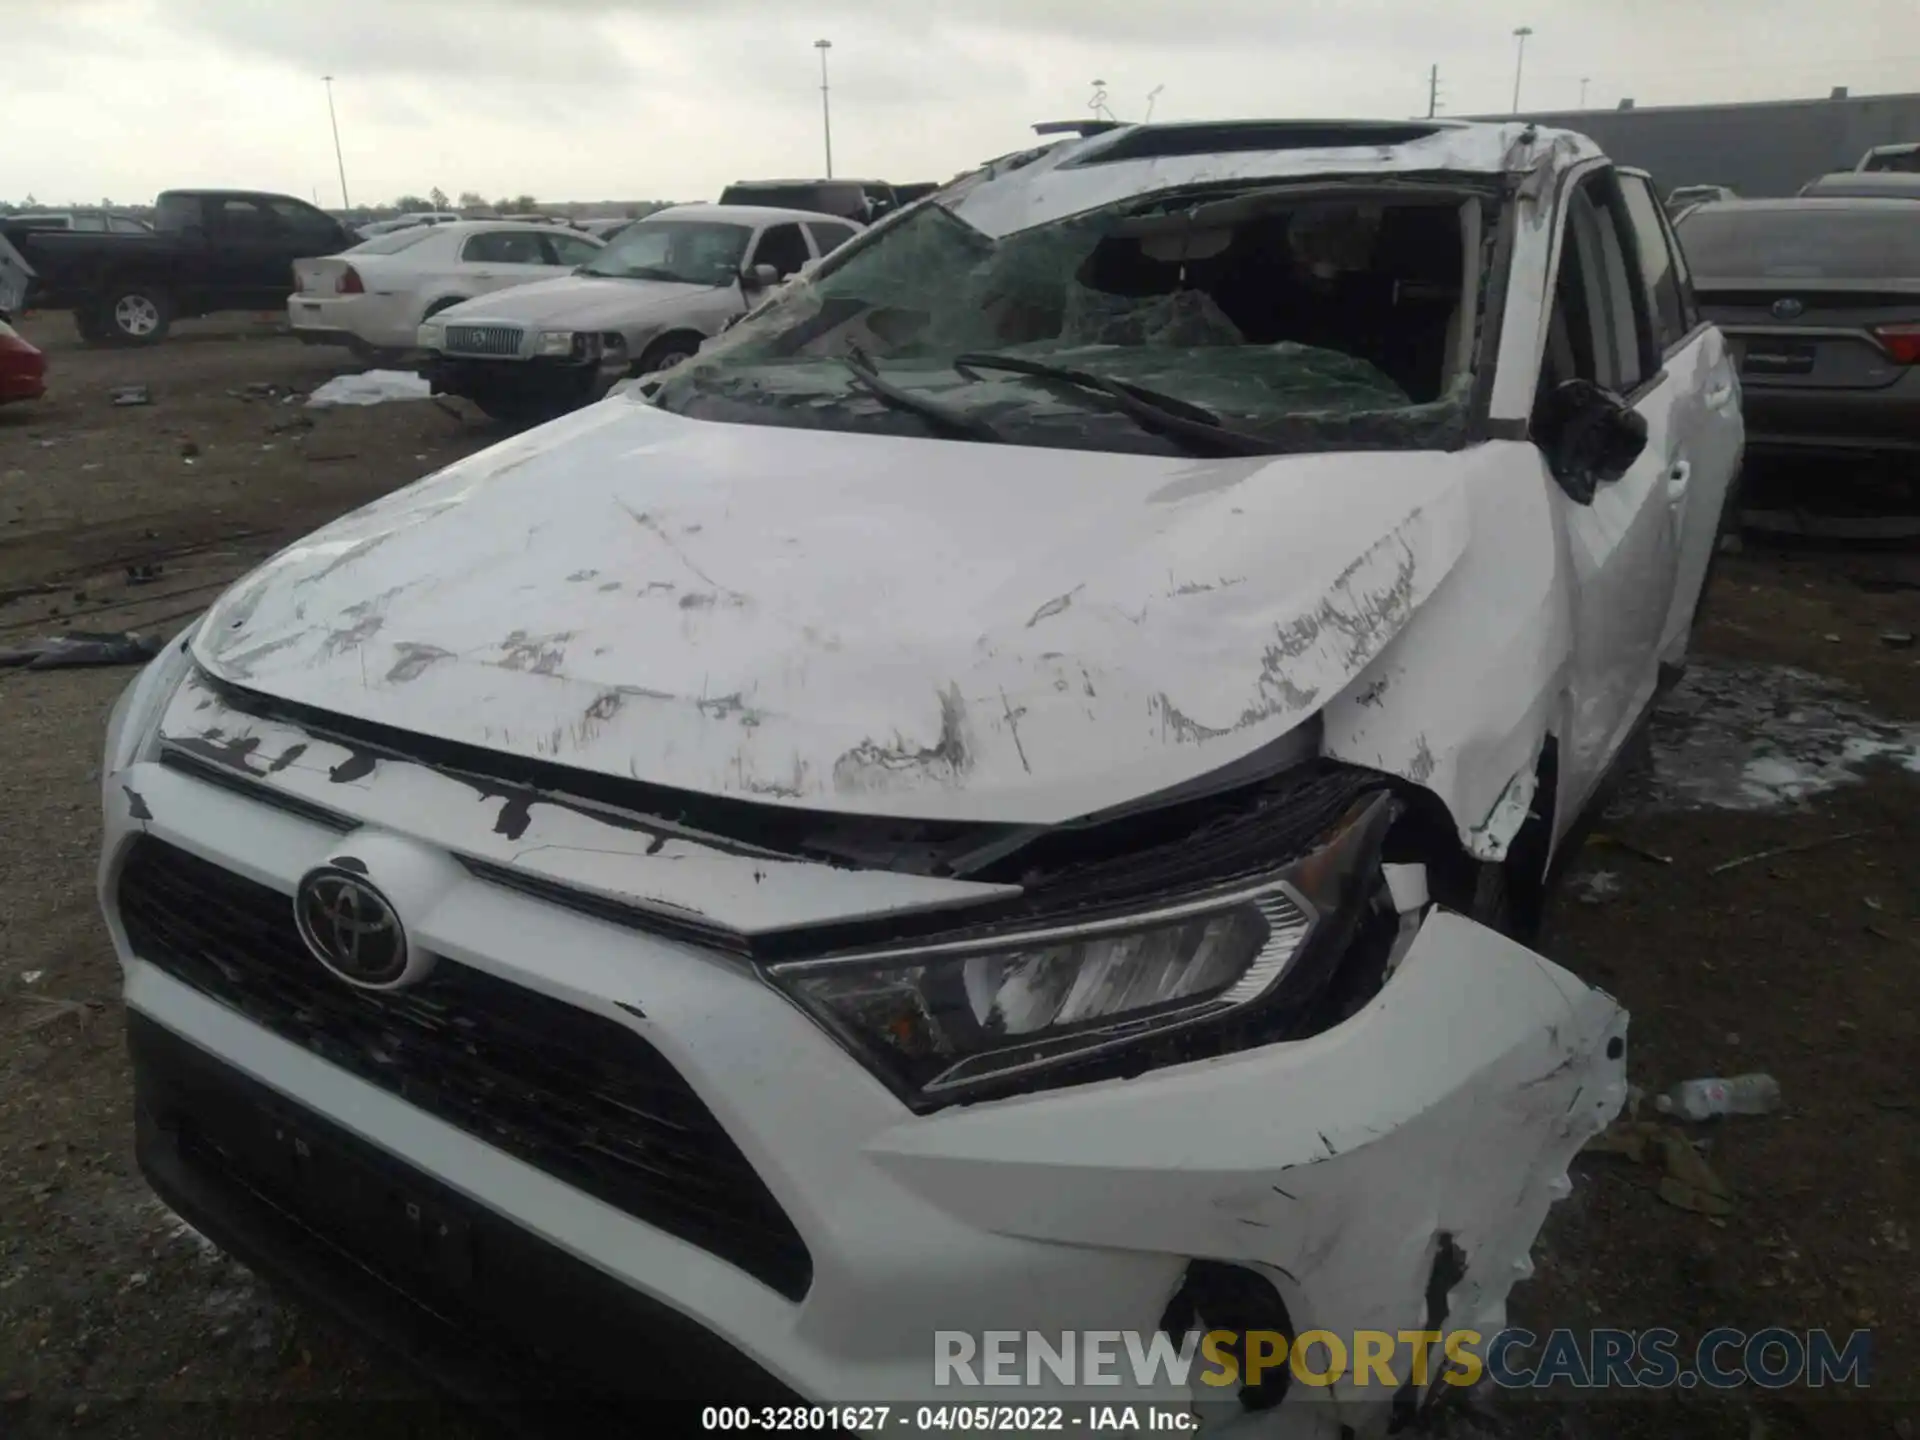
(1064, 181)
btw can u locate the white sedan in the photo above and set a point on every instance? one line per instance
(373, 297)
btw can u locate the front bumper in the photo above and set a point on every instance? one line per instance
(1784, 420)
(562, 381)
(1435, 1125)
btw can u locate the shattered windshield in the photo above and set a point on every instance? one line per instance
(693, 252)
(1285, 321)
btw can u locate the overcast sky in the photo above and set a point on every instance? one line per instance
(637, 99)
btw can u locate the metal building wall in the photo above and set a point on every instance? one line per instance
(1770, 148)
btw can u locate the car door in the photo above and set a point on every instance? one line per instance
(247, 244)
(1709, 436)
(497, 259)
(1622, 544)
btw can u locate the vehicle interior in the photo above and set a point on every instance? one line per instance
(1381, 282)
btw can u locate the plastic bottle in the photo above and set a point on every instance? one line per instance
(1741, 1095)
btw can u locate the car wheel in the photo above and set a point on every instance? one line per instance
(136, 315)
(446, 302)
(667, 353)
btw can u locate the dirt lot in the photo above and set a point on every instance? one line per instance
(115, 1318)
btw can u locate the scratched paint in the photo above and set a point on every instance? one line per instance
(847, 621)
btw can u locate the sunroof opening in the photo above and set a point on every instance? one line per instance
(1160, 141)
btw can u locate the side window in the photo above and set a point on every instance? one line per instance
(303, 220)
(569, 250)
(505, 247)
(1657, 268)
(121, 225)
(783, 247)
(94, 224)
(828, 237)
(1616, 316)
(245, 220)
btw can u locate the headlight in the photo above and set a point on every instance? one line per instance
(946, 1017)
(430, 335)
(135, 717)
(555, 342)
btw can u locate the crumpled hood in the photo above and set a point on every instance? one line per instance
(861, 623)
(573, 302)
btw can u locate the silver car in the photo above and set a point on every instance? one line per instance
(1820, 299)
(644, 303)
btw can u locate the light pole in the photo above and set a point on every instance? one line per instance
(826, 111)
(1583, 92)
(334, 120)
(1519, 59)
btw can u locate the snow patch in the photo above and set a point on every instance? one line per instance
(374, 387)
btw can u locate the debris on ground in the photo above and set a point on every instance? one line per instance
(81, 648)
(144, 573)
(1704, 1099)
(125, 395)
(1780, 850)
(1897, 639)
(375, 387)
(1688, 1182)
(1596, 888)
(263, 390)
(1632, 849)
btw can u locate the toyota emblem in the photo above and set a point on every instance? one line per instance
(1788, 309)
(351, 928)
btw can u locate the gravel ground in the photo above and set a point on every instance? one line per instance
(1801, 724)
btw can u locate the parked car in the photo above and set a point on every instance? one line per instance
(90, 221)
(1904, 156)
(644, 303)
(861, 200)
(919, 190)
(1821, 301)
(408, 221)
(210, 250)
(1858, 184)
(1682, 197)
(1021, 765)
(23, 369)
(373, 297)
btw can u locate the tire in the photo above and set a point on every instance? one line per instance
(666, 352)
(134, 313)
(445, 302)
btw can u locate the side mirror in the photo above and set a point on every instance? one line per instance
(1590, 436)
(759, 277)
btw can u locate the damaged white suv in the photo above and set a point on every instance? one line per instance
(1003, 796)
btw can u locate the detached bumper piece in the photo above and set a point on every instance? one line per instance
(498, 1317)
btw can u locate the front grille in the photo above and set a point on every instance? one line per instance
(496, 340)
(574, 1094)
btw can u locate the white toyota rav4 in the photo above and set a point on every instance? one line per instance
(1007, 794)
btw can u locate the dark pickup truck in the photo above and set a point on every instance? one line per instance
(209, 250)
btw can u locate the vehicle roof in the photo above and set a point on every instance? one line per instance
(467, 227)
(741, 214)
(1891, 183)
(814, 180)
(1891, 204)
(1069, 177)
(1903, 147)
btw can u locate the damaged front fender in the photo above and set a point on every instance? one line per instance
(1397, 1165)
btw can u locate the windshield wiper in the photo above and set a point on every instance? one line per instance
(954, 422)
(1152, 409)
